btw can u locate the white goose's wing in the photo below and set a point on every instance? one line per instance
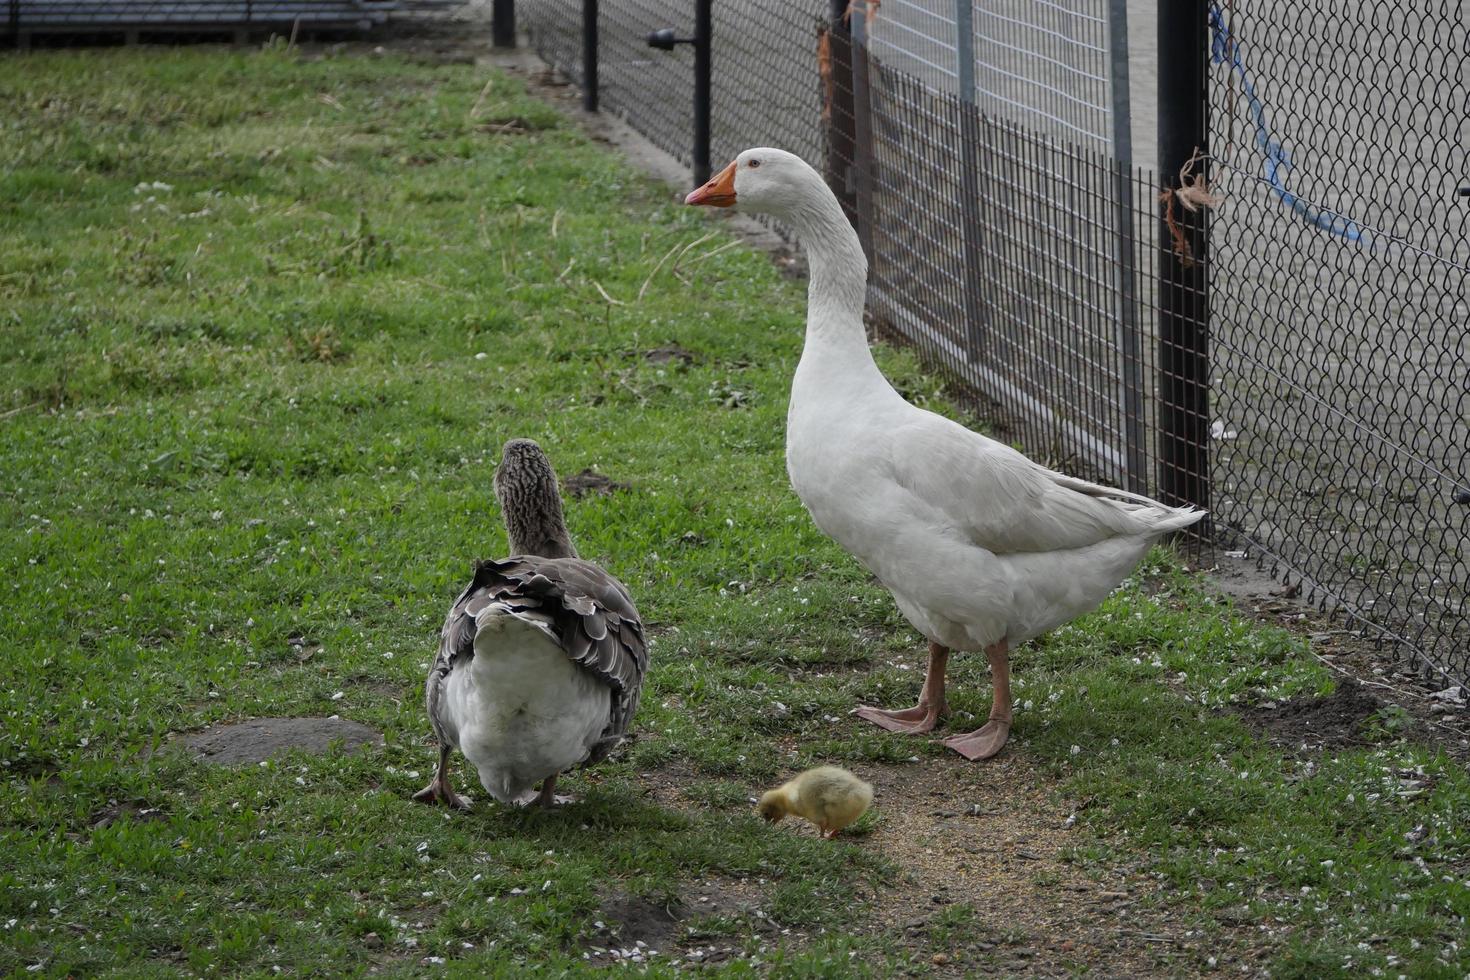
(586, 610)
(1007, 504)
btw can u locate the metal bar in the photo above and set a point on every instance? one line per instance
(1130, 342)
(841, 136)
(971, 229)
(862, 124)
(1184, 364)
(503, 23)
(703, 44)
(964, 48)
(589, 55)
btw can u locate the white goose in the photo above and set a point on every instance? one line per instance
(982, 548)
(542, 656)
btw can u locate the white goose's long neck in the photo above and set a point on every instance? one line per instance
(838, 285)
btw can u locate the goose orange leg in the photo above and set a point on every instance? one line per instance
(987, 741)
(440, 789)
(923, 716)
(547, 797)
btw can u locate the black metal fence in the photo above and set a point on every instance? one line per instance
(1273, 328)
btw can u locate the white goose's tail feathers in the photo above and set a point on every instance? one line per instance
(1174, 518)
(1155, 518)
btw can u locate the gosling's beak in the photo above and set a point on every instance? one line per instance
(718, 192)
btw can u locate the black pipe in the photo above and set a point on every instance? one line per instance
(703, 33)
(1184, 313)
(503, 23)
(589, 55)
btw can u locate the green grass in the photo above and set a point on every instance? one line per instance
(268, 320)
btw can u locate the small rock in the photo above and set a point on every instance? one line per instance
(939, 959)
(372, 941)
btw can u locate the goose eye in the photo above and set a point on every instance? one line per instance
(754, 164)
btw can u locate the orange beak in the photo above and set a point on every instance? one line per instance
(719, 192)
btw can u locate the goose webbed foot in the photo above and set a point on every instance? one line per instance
(932, 706)
(546, 797)
(440, 789)
(983, 742)
(917, 720)
(440, 792)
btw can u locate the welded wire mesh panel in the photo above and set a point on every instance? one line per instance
(918, 38)
(1045, 64)
(1041, 64)
(1342, 298)
(1006, 269)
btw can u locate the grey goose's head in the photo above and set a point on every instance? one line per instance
(530, 502)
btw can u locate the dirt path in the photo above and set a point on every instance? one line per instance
(987, 885)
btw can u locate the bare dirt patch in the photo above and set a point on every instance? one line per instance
(1337, 721)
(579, 485)
(263, 738)
(136, 811)
(642, 929)
(669, 353)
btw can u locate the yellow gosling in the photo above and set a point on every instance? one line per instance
(829, 797)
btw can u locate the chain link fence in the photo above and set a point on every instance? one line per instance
(1343, 298)
(1277, 332)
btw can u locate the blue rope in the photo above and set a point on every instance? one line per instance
(1224, 49)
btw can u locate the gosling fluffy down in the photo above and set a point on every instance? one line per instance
(829, 797)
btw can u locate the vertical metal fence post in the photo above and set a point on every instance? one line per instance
(1184, 316)
(589, 55)
(1130, 346)
(703, 68)
(970, 230)
(862, 126)
(841, 134)
(503, 23)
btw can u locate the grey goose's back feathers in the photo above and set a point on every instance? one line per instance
(586, 610)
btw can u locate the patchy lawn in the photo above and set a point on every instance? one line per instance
(268, 320)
